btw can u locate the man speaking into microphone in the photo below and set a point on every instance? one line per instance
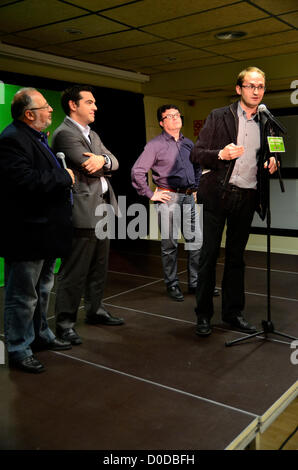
(232, 146)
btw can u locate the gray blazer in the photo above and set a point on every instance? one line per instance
(87, 190)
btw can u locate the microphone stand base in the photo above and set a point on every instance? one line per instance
(268, 327)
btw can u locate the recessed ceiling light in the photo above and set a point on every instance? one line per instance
(228, 35)
(170, 59)
(73, 31)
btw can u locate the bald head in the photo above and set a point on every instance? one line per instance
(21, 101)
(30, 106)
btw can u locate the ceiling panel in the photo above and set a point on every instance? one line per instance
(188, 65)
(32, 13)
(277, 6)
(87, 26)
(98, 5)
(276, 50)
(17, 40)
(291, 18)
(69, 50)
(271, 40)
(112, 41)
(206, 21)
(161, 47)
(156, 11)
(256, 28)
(162, 59)
(157, 37)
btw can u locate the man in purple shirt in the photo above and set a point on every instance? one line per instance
(176, 180)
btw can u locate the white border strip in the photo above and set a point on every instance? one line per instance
(156, 384)
(265, 269)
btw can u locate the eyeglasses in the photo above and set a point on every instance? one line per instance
(46, 106)
(253, 87)
(172, 116)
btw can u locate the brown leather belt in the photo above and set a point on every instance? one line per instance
(180, 190)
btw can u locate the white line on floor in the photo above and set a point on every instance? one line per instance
(156, 384)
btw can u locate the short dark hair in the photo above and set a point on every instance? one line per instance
(73, 93)
(22, 100)
(162, 109)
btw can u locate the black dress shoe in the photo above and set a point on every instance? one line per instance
(69, 335)
(203, 327)
(104, 319)
(59, 344)
(28, 364)
(241, 324)
(55, 345)
(175, 293)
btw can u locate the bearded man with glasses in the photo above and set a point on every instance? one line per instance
(231, 150)
(37, 228)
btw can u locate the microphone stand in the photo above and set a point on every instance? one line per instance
(267, 324)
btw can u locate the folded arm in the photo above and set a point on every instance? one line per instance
(74, 148)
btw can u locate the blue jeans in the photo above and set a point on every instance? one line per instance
(27, 290)
(180, 214)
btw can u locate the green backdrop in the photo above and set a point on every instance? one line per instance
(52, 97)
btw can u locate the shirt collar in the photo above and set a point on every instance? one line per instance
(38, 134)
(169, 136)
(85, 130)
(241, 112)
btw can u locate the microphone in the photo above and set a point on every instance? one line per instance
(263, 109)
(61, 156)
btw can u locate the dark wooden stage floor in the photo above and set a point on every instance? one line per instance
(152, 383)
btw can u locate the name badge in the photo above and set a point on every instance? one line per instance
(276, 144)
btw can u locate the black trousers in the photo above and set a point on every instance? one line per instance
(236, 210)
(82, 274)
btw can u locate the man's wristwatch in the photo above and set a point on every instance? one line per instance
(107, 159)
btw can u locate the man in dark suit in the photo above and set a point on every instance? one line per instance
(84, 271)
(36, 215)
(232, 151)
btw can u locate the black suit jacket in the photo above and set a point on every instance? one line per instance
(221, 129)
(35, 202)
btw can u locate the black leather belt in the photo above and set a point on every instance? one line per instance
(232, 187)
(180, 190)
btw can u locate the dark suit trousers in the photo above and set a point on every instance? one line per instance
(82, 274)
(236, 210)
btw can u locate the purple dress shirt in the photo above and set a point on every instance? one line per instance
(170, 164)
